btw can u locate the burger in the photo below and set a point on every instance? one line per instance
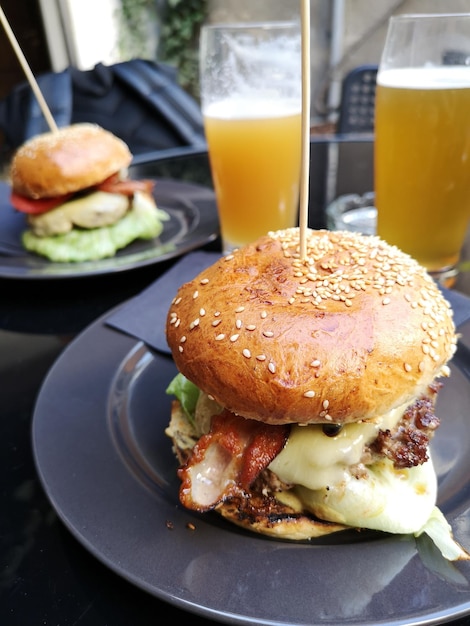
(80, 205)
(304, 402)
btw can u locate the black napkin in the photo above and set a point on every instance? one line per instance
(144, 316)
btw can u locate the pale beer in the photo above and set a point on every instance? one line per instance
(422, 161)
(255, 152)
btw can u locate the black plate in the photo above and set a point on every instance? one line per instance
(193, 223)
(108, 469)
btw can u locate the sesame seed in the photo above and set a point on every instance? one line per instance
(178, 300)
(216, 322)
(202, 312)
(195, 294)
(261, 357)
(204, 281)
(407, 367)
(326, 404)
(272, 367)
(194, 323)
(315, 363)
(309, 394)
(183, 339)
(220, 337)
(264, 315)
(234, 338)
(238, 324)
(251, 327)
(240, 309)
(229, 257)
(217, 314)
(180, 348)
(268, 333)
(246, 353)
(386, 301)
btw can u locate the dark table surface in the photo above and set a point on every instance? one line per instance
(47, 578)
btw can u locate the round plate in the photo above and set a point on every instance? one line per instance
(108, 469)
(193, 223)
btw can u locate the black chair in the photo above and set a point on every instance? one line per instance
(356, 113)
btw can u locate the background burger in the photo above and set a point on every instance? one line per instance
(72, 184)
(306, 392)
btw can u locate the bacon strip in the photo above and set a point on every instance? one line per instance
(227, 459)
(126, 187)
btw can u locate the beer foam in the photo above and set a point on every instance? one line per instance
(428, 77)
(241, 108)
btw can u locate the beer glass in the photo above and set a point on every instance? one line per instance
(422, 139)
(251, 97)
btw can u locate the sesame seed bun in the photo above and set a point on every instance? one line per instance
(73, 158)
(352, 331)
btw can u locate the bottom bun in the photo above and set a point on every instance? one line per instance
(255, 511)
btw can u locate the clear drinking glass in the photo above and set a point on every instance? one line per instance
(251, 96)
(422, 139)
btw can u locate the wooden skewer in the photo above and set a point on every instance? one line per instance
(27, 70)
(305, 158)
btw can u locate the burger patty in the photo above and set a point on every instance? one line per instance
(407, 444)
(242, 450)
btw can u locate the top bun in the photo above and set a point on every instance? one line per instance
(352, 331)
(72, 158)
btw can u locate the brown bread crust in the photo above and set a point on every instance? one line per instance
(351, 332)
(73, 158)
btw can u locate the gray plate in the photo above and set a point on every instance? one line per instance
(108, 469)
(193, 223)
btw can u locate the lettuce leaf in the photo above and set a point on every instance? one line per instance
(440, 531)
(142, 221)
(186, 392)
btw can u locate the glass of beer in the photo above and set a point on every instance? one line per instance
(251, 97)
(422, 139)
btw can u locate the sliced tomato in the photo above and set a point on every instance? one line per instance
(126, 187)
(36, 207)
(111, 185)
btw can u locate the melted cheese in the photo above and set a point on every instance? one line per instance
(386, 499)
(397, 501)
(313, 459)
